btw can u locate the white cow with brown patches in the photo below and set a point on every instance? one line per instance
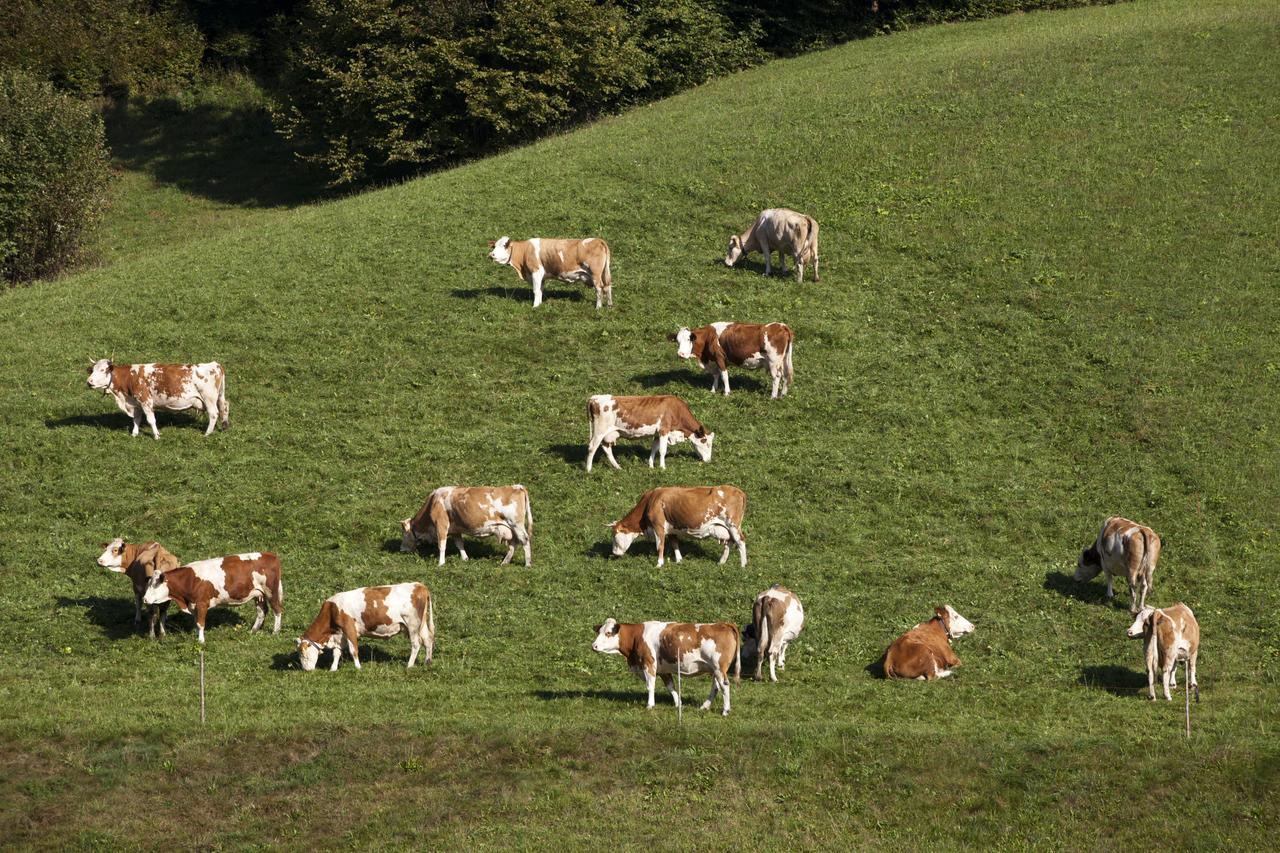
(654, 649)
(1122, 547)
(782, 230)
(665, 417)
(1172, 634)
(140, 389)
(370, 611)
(140, 562)
(500, 511)
(236, 579)
(699, 512)
(586, 261)
(749, 345)
(777, 618)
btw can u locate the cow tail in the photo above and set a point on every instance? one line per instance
(528, 514)
(762, 631)
(737, 656)
(431, 619)
(280, 590)
(786, 359)
(224, 414)
(1150, 554)
(811, 242)
(608, 266)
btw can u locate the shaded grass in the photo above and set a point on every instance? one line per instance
(1048, 296)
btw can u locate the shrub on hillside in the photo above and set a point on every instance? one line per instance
(53, 176)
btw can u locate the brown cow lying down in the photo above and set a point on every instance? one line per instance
(1172, 634)
(378, 611)
(924, 652)
(139, 563)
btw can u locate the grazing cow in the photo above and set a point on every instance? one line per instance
(749, 345)
(655, 649)
(501, 511)
(696, 511)
(924, 652)
(140, 389)
(665, 417)
(139, 563)
(198, 586)
(1172, 634)
(776, 619)
(788, 232)
(584, 261)
(1122, 547)
(379, 611)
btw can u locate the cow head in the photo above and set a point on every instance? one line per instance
(622, 539)
(308, 653)
(684, 343)
(1142, 623)
(1089, 564)
(735, 252)
(702, 441)
(113, 557)
(956, 625)
(100, 374)
(501, 250)
(606, 641)
(157, 590)
(409, 541)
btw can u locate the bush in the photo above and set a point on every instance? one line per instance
(53, 176)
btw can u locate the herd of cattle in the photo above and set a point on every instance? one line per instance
(652, 649)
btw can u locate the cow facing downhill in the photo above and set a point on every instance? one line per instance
(749, 345)
(783, 230)
(140, 389)
(776, 619)
(1123, 547)
(586, 261)
(140, 563)
(457, 511)
(370, 611)
(1171, 634)
(236, 579)
(924, 653)
(699, 512)
(654, 649)
(665, 417)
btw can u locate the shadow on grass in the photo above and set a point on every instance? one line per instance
(122, 422)
(113, 615)
(628, 697)
(1116, 680)
(518, 294)
(477, 549)
(1088, 592)
(696, 379)
(875, 669)
(230, 154)
(286, 661)
(576, 454)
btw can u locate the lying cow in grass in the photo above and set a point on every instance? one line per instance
(370, 611)
(782, 230)
(199, 586)
(501, 511)
(699, 512)
(654, 649)
(665, 417)
(1171, 634)
(924, 652)
(1122, 547)
(140, 389)
(586, 261)
(140, 563)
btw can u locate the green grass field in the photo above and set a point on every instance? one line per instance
(1050, 261)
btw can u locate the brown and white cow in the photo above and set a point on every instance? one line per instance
(377, 611)
(750, 345)
(1172, 634)
(665, 417)
(501, 511)
(776, 619)
(235, 579)
(655, 649)
(140, 563)
(585, 261)
(924, 652)
(695, 511)
(783, 230)
(140, 389)
(1122, 547)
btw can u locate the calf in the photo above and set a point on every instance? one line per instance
(586, 261)
(788, 232)
(749, 345)
(198, 586)
(140, 389)
(924, 652)
(501, 511)
(1172, 634)
(1122, 546)
(655, 649)
(664, 417)
(776, 619)
(140, 563)
(378, 611)
(696, 511)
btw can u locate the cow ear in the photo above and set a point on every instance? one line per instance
(598, 627)
(492, 243)
(673, 336)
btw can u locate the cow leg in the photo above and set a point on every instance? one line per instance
(776, 370)
(337, 656)
(414, 644)
(211, 407)
(442, 542)
(593, 445)
(660, 539)
(354, 648)
(259, 604)
(136, 414)
(715, 688)
(671, 686)
(536, 281)
(799, 268)
(773, 665)
(526, 544)
(653, 451)
(724, 380)
(768, 253)
(457, 543)
(1192, 684)
(608, 451)
(1167, 676)
(201, 613)
(151, 421)
(675, 546)
(662, 453)
(650, 681)
(599, 296)
(1111, 593)
(164, 613)
(137, 609)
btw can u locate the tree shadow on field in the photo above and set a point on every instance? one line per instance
(628, 697)
(1089, 592)
(122, 422)
(697, 379)
(518, 294)
(1116, 680)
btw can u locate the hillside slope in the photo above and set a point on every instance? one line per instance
(1049, 265)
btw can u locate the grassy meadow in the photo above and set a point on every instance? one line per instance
(1050, 260)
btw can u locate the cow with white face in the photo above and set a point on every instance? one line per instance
(499, 511)
(140, 389)
(654, 649)
(586, 261)
(370, 611)
(1171, 634)
(236, 579)
(924, 653)
(699, 512)
(749, 345)
(140, 562)
(665, 417)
